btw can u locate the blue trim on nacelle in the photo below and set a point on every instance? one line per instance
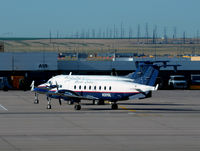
(41, 90)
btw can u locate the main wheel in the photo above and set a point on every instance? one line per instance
(77, 107)
(49, 106)
(114, 106)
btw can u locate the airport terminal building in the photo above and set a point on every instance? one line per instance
(42, 66)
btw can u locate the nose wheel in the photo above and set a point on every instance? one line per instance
(36, 99)
(49, 103)
(49, 106)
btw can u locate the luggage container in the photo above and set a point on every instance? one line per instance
(17, 81)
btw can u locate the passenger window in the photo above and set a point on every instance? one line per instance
(84, 87)
(99, 87)
(90, 87)
(75, 87)
(95, 87)
(110, 88)
(104, 87)
(79, 86)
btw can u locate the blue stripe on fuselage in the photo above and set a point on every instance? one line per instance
(101, 95)
(109, 96)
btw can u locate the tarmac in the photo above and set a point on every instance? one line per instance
(170, 120)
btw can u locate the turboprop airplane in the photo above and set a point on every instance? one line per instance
(100, 88)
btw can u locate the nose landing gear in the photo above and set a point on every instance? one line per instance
(49, 103)
(36, 99)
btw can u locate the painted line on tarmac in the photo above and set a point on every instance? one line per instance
(1, 106)
(108, 102)
(124, 108)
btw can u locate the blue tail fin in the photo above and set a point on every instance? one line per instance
(146, 73)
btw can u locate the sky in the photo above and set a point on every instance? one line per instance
(39, 18)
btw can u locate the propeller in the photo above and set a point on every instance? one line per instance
(59, 99)
(57, 86)
(60, 102)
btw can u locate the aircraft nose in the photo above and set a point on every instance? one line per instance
(53, 90)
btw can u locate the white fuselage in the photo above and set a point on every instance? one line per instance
(101, 87)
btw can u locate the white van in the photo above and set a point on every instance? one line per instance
(177, 82)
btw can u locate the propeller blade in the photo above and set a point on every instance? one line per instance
(57, 85)
(60, 102)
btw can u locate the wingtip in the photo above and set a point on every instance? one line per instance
(156, 88)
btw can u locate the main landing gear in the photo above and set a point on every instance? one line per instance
(114, 106)
(77, 106)
(36, 101)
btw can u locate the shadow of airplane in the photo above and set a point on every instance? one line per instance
(153, 110)
(158, 104)
(153, 107)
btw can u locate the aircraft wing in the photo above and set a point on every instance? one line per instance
(148, 88)
(71, 94)
(148, 92)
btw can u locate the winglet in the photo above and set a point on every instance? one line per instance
(156, 88)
